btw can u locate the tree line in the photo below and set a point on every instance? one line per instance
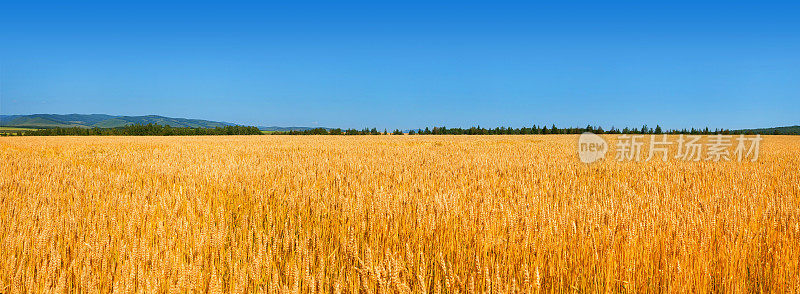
(166, 130)
(145, 130)
(337, 131)
(534, 130)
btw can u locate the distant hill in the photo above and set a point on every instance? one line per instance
(101, 121)
(792, 130)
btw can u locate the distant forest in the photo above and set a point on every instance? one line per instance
(144, 130)
(534, 130)
(166, 130)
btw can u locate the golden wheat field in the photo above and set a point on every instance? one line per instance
(389, 214)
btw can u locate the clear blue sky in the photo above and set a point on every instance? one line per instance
(408, 64)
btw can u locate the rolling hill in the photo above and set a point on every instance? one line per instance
(100, 121)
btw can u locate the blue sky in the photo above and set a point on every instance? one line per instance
(408, 64)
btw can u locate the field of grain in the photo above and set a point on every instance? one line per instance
(387, 214)
(13, 130)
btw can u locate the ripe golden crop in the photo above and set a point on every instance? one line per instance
(442, 214)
